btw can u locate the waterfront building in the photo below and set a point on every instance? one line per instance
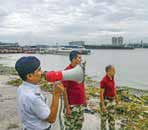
(77, 43)
(117, 41)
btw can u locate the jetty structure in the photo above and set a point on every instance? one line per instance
(10, 48)
(66, 49)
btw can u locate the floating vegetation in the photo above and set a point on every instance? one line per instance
(90, 82)
(93, 91)
(5, 70)
(13, 126)
(15, 82)
(132, 116)
(132, 112)
(46, 86)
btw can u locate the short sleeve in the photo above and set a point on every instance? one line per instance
(40, 109)
(102, 84)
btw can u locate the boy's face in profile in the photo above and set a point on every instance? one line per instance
(36, 76)
(78, 59)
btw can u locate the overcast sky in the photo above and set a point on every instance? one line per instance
(94, 21)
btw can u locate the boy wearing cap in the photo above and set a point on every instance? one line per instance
(74, 97)
(33, 110)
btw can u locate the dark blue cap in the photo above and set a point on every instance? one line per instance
(26, 65)
(73, 54)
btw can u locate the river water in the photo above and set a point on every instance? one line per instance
(131, 65)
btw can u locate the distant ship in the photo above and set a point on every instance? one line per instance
(65, 50)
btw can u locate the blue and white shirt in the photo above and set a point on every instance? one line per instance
(32, 107)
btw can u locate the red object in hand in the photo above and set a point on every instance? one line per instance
(53, 76)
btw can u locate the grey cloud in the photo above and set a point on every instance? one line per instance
(111, 30)
(3, 12)
(119, 16)
(48, 20)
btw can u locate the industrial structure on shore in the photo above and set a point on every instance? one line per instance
(117, 43)
(42, 49)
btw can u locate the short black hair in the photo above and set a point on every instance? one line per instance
(108, 67)
(73, 54)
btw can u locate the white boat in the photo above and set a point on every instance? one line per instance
(65, 50)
